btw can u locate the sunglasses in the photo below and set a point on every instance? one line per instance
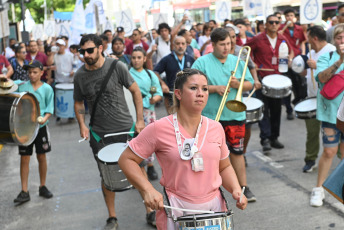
(279, 17)
(342, 14)
(272, 22)
(88, 50)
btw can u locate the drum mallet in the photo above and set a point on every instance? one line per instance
(310, 57)
(242, 194)
(285, 27)
(186, 210)
(249, 96)
(39, 119)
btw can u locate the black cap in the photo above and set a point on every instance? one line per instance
(34, 64)
(120, 29)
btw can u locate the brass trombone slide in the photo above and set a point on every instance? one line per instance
(235, 105)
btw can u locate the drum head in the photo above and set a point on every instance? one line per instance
(306, 105)
(276, 81)
(252, 103)
(111, 153)
(24, 116)
(65, 86)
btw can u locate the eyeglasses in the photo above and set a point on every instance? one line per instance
(88, 50)
(272, 22)
(342, 14)
(279, 18)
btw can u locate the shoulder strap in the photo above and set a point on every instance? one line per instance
(331, 53)
(149, 74)
(126, 59)
(102, 88)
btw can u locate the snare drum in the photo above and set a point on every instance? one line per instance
(306, 109)
(216, 221)
(113, 177)
(276, 86)
(64, 102)
(254, 109)
(18, 116)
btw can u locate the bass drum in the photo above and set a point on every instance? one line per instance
(18, 116)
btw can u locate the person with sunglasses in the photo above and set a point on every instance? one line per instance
(111, 114)
(336, 20)
(190, 181)
(264, 49)
(18, 64)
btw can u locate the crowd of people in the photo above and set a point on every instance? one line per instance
(188, 70)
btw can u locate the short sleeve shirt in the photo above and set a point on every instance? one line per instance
(177, 175)
(145, 83)
(295, 38)
(19, 72)
(44, 95)
(218, 74)
(3, 62)
(112, 113)
(327, 109)
(40, 57)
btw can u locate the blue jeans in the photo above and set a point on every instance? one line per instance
(330, 135)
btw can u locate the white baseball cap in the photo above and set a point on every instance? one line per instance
(60, 42)
(299, 63)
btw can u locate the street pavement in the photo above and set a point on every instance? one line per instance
(277, 180)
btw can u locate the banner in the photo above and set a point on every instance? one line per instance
(267, 8)
(63, 29)
(49, 28)
(124, 19)
(159, 18)
(310, 11)
(108, 26)
(253, 7)
(78, 23)
(5, 24)
(38, 32)
(223, 10)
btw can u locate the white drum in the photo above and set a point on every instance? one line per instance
(306, 109)
(64, 102)
(112, 175)
(254, 109)
(276, 86)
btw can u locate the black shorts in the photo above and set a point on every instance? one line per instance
(41, 142)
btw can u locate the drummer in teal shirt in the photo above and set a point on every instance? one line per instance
(218, 66)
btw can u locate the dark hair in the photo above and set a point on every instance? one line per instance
(74, 46)
(205, 28)
(139, 49)
(258, 24)
(340, 7)
(213, 21)
(116, 39)
(137, 31)
(182, 32)
(277, 13)
(289, 10)
(153, 30)
(271, 15)
(181, 77)
(91, 37)
(192, 29)
(199, 24)
(104, 37)
(47, 48)
(219, 34)
(107, 31)
(164, 26)
(63, 37)
(239, 21)
(32, 41)
(317, 31)
(18, 49)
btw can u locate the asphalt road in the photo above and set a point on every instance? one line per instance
(282, 190)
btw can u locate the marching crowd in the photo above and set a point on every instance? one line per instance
(187, 70)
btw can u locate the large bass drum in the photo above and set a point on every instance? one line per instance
(18, 116)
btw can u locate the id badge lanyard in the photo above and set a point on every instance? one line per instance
(194, 148)
(181, 65)
(274, 57)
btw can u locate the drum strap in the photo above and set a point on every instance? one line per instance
(102, 89)
(224, 198)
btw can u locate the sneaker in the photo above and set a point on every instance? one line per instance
(317, 197)
(152, 174)
(266, 145)
(111, 223)
(290, 116)
(276, 144)
(249, 195)
(43, 191)
(309, 166)
(22, 197)
(150, 218)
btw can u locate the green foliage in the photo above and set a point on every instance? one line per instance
(37, 11)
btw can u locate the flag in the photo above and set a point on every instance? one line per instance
(78, 23)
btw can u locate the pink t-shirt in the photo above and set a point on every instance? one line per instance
(177, 175)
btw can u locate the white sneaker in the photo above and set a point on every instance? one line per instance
(317, 197)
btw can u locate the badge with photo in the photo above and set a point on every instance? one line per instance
(186, 153)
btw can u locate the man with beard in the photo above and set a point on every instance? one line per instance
(118, 51)
(171, 65)
(111, 114)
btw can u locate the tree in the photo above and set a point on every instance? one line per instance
(37, 11)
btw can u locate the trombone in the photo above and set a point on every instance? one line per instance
(235, 105)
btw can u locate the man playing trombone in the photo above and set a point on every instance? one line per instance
(218, 66)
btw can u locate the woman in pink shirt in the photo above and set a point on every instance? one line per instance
(191, 177)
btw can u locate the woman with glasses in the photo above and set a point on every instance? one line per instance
(185, 177)
(17, 64)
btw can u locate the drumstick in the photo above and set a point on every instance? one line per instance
(312, 73)
(116, 134)
(286, 25)
(263, 69)
(189, 210)
(249, 96)
(242, 193)
(83, 139)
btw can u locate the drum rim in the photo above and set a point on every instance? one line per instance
(252, 98)
(290, 83)
(58, 86)
(13, 111)
(191, 216)
(106, 162)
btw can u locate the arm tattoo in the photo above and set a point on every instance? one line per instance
(82, 111)
(328, 73)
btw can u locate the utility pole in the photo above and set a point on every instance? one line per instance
(23, 13)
